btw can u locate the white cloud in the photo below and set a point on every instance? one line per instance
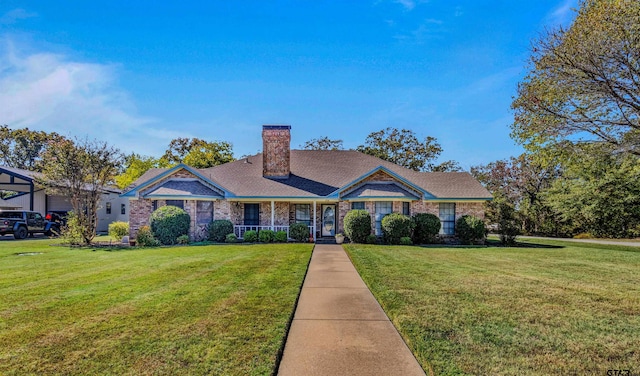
(50, 92)
(16, 15)
(562, 14)
(407, 4)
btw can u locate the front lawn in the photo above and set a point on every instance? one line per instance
(197, 310)
(557, 308)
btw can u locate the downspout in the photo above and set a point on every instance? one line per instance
(31, 195)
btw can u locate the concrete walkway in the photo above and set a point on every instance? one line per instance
(339, 328)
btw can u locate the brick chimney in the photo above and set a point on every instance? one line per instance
(276, 150)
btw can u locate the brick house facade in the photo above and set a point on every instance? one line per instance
(279, 187)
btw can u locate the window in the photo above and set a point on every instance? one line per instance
(204, 212)
(303, 214)
(123, 209)
(108, 208)
(447, 219)
(178, 203)
(382, 208)
(252, 214)
(357, 205)
(405, 208)
(154, 205)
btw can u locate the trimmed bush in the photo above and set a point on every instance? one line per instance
(371, 239)
(357, 225)
(231, 238)
(427, 227)
(470, 229)
(266, 236)
(183, 239)
(219, 229)
(145, 237)
(250, 236)
(396, 226)
(405, 240)
(299, 232)
(280, 237)
(169, 222)
(71, 233)
(118, 230)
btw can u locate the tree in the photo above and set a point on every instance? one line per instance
(521, 182)
(584, 83)
(80, 169)
(599, 192)
(134, 166)
(198, 153)
(323, 143)
(22, 148)
(403, 148)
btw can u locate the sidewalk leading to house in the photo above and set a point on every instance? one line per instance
(339, 328)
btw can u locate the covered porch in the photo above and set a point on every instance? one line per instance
(250, 215)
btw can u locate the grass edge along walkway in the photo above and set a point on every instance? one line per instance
(550, 308)
(220, 309)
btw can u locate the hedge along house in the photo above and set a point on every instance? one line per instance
(280, 186)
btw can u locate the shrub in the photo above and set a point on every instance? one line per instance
(371, 239)
(266, 236)
(219, 229)
(405, 240)
(509, 226)
(396, 226)
(427, 227)
(72, 232)
(250, 236)
(118, 230)
(169, 222)
(357, 225)
(145, 237)
(470, 229)
(299, 232)
(231, 238)
(183, 239)
(281, 237)
(583, 235)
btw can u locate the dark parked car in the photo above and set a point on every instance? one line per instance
(22, 223)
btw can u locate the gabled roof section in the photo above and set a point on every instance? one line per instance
(184, 189)
(395, 176)
(380, 191)
(156, 175)
(16, 179)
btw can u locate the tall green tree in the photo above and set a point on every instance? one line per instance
(323, 143)
(599, 192)
(80, 170)
(584, 82)
(198, 153)
(136, 165)
(402, 147)
(22, 148)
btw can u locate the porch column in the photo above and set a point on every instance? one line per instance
(314, 221)
(31, 189)
(273, 213)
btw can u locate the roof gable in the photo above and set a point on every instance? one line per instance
(160, 175)
(382, 171)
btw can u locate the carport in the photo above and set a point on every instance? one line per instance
(18, 180)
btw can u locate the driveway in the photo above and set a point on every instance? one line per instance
(628, 243)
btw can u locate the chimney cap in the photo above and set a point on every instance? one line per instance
(265, 127)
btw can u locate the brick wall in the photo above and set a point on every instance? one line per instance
(276, 143)
(139, 213)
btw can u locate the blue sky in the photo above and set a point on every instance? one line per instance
(139, 73)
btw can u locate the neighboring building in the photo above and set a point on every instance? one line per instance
(280, 187)
(31, 196)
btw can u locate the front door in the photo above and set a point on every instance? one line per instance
(328, 220)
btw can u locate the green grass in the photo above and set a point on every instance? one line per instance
(559, 308)
(220, 309)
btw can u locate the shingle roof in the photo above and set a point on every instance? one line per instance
(192, 188)
(321, 172)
